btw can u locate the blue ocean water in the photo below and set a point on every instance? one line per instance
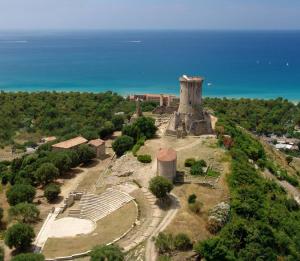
(262, 64)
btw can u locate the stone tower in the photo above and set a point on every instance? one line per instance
(190, 94)
(190, 119)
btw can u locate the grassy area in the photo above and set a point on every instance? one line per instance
(106, 231)
(213, 174)
(194, 225)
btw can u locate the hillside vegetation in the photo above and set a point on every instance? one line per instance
(60, 114)
(265, 222)
(277, 116)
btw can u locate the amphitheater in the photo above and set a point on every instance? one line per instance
(95, 207)
(82, 219)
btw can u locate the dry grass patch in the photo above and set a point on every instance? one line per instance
(194, 225)
(108, 229)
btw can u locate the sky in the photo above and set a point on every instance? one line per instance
(149, 14)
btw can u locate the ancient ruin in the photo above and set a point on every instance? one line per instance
(190, 118)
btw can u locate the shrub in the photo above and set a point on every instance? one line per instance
(46, 173)
(212, 173)
(20, 193)
(138, 145)
(160, 187)
(182, 242)
(197, 169)
(189, 162)
(28, 257)
(51, 192)
(144, 158)
(85, 153)
(19, 236)
(106, 253)
(289, 159)
(164, 243)
(122, 144)
(167, 243)
(24, 212)
(195, 207)
(192, 198)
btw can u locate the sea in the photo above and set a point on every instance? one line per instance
(234, 64)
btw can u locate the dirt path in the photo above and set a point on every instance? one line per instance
(151, 253)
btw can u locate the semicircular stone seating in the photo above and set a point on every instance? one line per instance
(96, 207)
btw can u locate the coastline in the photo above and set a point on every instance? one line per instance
(126, 94)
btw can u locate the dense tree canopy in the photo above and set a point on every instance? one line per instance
(263, 223)
(277, 116)
(85, 153)
(59, 114)
(19, 236)
(46, 173)
(20, 193)
(24, 212)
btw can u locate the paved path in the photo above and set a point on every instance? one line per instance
(151, 253)
(45, 230)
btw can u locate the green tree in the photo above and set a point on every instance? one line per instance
(24, 212)
(146, 126)
(106, 130)
(51, 192)
(19, 236)
(20, 193)
(118, 121)
(73, 155)
(122, 144)
(28, 257)
(85, 153)
(46, 173)
(61, 160)
(106, 253)
(160, 187)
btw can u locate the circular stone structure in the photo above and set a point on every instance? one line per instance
(70, 227)
(166, 163)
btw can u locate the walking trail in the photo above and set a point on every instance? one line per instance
(151, 253)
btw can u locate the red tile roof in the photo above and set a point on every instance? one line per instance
(166, 155)
(67, 144)
(96, 142)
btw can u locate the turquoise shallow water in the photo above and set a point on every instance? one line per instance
(234, 64)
